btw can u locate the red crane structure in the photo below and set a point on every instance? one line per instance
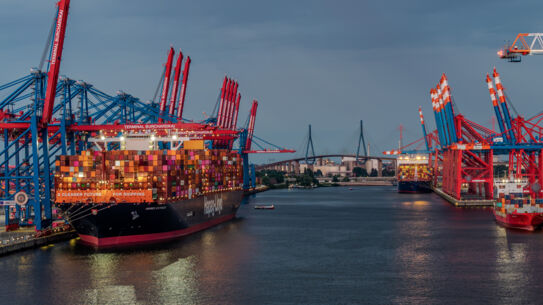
(183, 89)
(177, 75)
(251, 125)
(55, 59)
(38, 123)
(462, 152)
(166, 84)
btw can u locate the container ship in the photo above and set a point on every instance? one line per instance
(414, 174)
(514, 207)
(134, 196)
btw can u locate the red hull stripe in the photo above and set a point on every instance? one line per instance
(152, 237)
(526, 221)
(526, 227)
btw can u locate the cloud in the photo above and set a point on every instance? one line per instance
(327, 63)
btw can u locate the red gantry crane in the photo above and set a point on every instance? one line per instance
(183, 89)
(175, 89)
(166, 84)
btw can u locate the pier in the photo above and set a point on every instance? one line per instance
(25, 239)
(463, 202)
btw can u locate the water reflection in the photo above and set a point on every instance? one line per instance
(325, 246)
(181, 272)
(412, 258)
(176, 282)
(511, 265)
(419, 204)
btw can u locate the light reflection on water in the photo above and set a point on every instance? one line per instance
(177, 281)
(323, 246)
(512, 266)
(412, 258)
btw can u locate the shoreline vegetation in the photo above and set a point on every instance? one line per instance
(309, 179)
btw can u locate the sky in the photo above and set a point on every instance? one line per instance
(325, 63)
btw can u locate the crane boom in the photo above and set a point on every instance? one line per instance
(224, 97)
(423, 128)
(56, 57)
(251, 126)
(221, 101)
(495, 104)
(236, 110)
(443, 115)
(166, 84)
(439, 123)
(231, 106)
(520, 46)
(175, 89)
(235, 117)
(183, 88)
(503, 104)
(447, 101)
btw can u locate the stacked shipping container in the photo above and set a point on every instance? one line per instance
(414, 172)
(145, 176)
(517, 202)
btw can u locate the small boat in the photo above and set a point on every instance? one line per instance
(265, 207)
(350, 189)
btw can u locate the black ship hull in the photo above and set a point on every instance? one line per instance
(414, 187)
(125, 224)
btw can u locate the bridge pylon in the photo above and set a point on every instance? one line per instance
(361, 141)
(310, 159)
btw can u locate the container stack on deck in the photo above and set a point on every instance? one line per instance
(414, 172)
(519, 203)
(154, 175)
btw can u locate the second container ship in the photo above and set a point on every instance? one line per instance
(413, 173)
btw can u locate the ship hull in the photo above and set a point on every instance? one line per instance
(521, 221)
(129, 224)
(414, 187)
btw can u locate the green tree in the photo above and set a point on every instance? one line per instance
(318, 173)
(373, 172)
(335, 179)
(360, 172)
(388, 173)
(345, 179)
(307, 178)
(273, 175)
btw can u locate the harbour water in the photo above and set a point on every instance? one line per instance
(368, 245)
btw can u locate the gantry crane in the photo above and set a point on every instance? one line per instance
(524, 44)
(45, 115)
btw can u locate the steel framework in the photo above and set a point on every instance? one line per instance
(43, 115)
(513, 52)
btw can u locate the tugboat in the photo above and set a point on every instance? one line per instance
(514, 207)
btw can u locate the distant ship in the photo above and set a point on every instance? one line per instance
(414, 174)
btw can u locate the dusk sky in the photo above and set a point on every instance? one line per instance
(325, 63)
